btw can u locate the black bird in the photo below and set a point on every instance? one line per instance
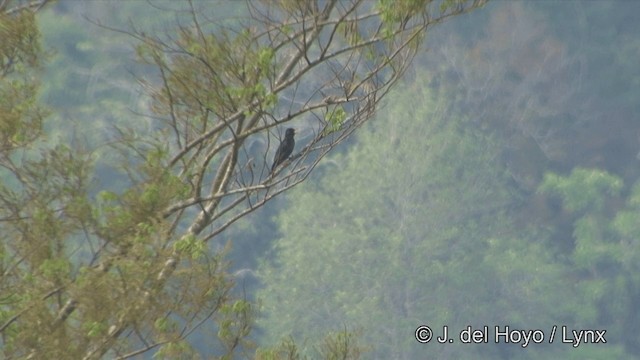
(285, 149)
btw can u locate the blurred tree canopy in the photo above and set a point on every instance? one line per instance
(429, 237)
(508, 196)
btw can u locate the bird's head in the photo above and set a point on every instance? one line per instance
(290, 132)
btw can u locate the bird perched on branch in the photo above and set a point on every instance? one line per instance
(285, 149)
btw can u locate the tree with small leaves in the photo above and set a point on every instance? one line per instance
(93, 274)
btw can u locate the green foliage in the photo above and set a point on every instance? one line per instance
(286, 349)
(165, 325)
(55, 268)
(335, 118)
(20, 46)
(591, 248)
(196, 79)
(603, 253)
(335, 345)
(265, 58)
(583, 189)
(340, 345)
(627, 225)
(450, 4)
(190, 246)
(176, 350)
(95, 329)
(235, 326)
(595, 352)
(401, 10)
(20, 57)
